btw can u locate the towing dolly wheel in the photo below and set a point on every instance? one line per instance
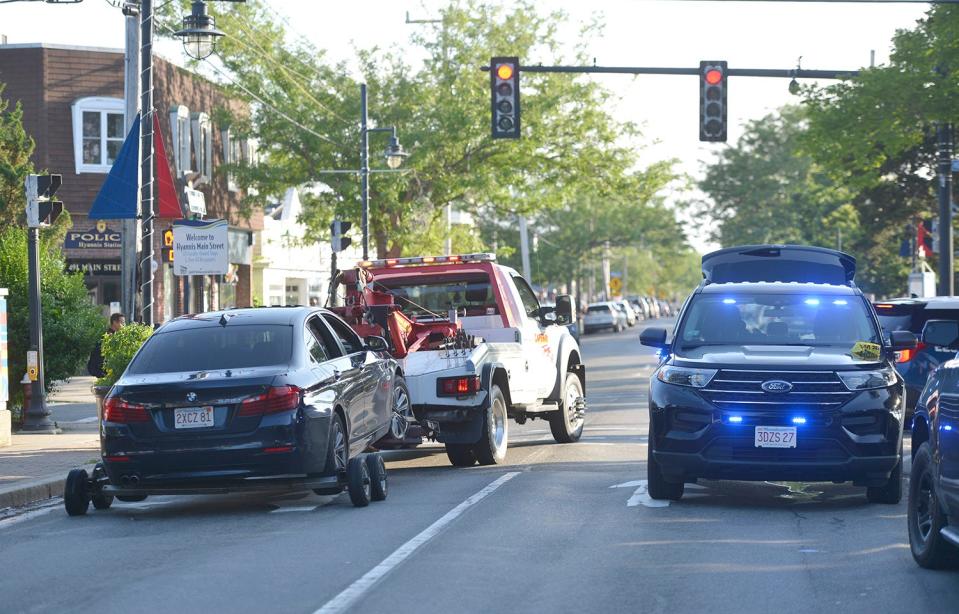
(379, 483)
(100, 501)
(76, 494)
(358, 481)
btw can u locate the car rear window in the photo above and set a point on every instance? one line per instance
(598, 309)
(423, 296)
(215, 348)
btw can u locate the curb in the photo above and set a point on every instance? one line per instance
(25, 492)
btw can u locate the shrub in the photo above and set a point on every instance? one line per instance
(118, 350)
(71, 323)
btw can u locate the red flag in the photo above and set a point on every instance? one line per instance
(168, 205)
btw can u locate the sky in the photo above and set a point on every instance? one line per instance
(827, 35)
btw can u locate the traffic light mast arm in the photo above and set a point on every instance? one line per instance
(798, 73)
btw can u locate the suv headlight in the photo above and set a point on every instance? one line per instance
(684, 376)
(865, 380)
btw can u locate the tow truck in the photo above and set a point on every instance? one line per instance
(475, 346)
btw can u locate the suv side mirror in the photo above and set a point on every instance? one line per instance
(902, 340)
(941, 333)
(653, 337)
(376, 344)
(565, 314)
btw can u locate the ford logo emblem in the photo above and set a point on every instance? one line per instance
(776, 385)
(191, 396)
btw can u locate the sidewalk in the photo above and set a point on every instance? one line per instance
(35, 466)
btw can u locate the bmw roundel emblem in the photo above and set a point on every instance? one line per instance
(776, 385)
(191, 396)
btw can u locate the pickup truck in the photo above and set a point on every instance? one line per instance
(475, 346)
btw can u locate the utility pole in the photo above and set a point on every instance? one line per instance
(365, 171)
(131, 91)
(944, 146)
(146, 160)
(524, 246)
(606, 275)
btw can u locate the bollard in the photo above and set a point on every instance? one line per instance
(25, 383)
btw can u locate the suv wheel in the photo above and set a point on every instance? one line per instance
(657, 486)
(926, 518)
(891, 492)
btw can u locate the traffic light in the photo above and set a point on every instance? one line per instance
(504, 97)
(42, 206)
(167, 249)
(925, 238)
(712, 101)
(338, 242)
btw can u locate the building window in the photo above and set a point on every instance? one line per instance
(203, 147)
(98, 133)
(238, 151)
(180, 124)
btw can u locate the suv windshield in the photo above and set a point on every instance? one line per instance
(424, 297)
(214, 348)
(776, 319)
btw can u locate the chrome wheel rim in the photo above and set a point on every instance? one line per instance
(499, 425)
(924, 507)
(402, 412)
(339, 446)
(573, 416)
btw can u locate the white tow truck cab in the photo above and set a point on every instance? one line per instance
(475, 346)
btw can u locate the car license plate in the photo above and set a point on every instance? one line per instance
(193, 417)
(775, 437)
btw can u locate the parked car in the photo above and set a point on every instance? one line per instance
(933, 508)
(777, 371)
(246, 399)
(653, 308)
(627, 310)
(602, 316)
(911, 314)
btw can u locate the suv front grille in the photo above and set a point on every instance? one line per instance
(742, 388)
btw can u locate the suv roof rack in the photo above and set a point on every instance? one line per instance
(779, 263)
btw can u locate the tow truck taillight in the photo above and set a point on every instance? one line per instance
(274, 400)
(909, 354)
(119, 410)
(463, 385)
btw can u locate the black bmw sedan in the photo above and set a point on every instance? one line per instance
(249, 398)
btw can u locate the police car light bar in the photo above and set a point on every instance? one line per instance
(391, 262)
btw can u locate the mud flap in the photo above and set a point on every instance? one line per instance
(468, 431)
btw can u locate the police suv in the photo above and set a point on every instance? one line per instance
(777, 370)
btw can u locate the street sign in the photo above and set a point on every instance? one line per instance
(201, 247)
(196, 202)
(615, 285)
(955, 166)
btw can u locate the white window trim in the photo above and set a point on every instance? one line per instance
(181, 150)
(202, 147)
(93, 103)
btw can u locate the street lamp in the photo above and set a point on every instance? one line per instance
(199, 33)
(394, 154)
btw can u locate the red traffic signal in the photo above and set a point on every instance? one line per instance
(712, 101)
(713, 76)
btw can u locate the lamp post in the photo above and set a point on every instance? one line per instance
(394, 155)
(199, 32)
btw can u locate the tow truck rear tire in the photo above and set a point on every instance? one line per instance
(565, 425)
(491, 448)
(461, 454)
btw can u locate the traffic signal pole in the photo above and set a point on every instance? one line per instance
(944, 147)
(796, 73)
(146, 161)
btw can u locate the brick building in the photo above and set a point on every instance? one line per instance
(73, 107)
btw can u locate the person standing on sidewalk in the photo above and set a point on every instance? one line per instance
(95, 363)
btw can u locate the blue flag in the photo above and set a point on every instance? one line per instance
(117, 199)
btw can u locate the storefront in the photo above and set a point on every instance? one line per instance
(94, 250)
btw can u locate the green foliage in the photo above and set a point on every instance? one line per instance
(119, 348)
(16, 147)
(71, 324)
(441, 110)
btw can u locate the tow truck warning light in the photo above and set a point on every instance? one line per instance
(456, 258)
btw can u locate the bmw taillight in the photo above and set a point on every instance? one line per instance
(119, 410)
(464, 385)
(274, 400)
(909, 354)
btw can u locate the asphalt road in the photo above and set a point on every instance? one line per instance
(561, 528)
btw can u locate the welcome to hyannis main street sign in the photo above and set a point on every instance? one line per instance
(201, 247)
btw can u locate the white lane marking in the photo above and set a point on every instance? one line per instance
(31, 512)
(355, 591)
(80, 421)
(641, 495)
(295, 508)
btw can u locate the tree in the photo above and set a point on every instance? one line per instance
(16, 147)
(71, 324)
(441, 110)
